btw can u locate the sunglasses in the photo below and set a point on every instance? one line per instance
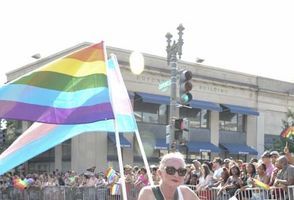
(172, 171)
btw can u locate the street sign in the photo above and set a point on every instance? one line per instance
(163, 86)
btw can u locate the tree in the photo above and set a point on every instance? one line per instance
(287, 123)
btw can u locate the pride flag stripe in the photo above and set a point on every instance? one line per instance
(90, 54)
(63, 82)
(87, 97)
(23, 111)
(73, 67)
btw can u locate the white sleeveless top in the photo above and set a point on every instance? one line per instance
(180, 194)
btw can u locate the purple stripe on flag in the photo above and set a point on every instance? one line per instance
(32, 112)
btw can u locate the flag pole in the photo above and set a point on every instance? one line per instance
(144, 158)
(120, 162)
(117, 141)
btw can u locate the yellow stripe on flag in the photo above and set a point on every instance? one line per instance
(75, 67)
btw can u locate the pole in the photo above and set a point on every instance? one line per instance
(173, 102)
(141, 147)
(173, 50)
(120, 161)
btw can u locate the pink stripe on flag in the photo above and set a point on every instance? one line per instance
(119, 94)
(36, 131)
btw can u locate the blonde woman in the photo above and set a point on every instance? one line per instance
(172, 172)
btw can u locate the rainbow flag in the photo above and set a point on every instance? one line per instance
(261, 184)
(20, 184)
(288, 133)
(41, 137)
(110, 174)
(115, 189)
(71, 90)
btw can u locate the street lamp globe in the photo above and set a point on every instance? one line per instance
(136, 62)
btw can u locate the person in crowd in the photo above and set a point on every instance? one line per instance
(239, 164)
(189, 173)
(206, 179)
(142, 179)
(274, 156)
(224, 177)
(217, 169)
(193, 179)
(91, 179)
(266, 159)
(261, 174)
(285, 176)
(233, 183)
(172, 172)
(129, 176)
(253, 161)
(100, 180)
(155, 177)
(197, 168)
(226, 163)
(250, 174)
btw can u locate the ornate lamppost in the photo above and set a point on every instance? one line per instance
(173, 50)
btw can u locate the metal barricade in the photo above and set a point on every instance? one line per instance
(210, 193)
(274, 193)
(291, 192)
(103, 193)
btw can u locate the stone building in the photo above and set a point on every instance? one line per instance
(233, 114)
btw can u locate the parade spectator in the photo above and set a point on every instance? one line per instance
(189, 173)
(197, 168)
(217, 169)
(285, 176)
(227, 163)
(233, 183)
(155, 177)
(274, 156)
(206, 179)
(100, 180)
(172, 172)
(224, 177)
(91, 179)
(142, 179)
(261, 174)
(266, 159)
(250, 173)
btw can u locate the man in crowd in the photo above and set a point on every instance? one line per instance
(274, 156)
(285, 176)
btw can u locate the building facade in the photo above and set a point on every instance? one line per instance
(232, 114)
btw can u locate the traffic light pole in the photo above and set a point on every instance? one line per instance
(173, 50)
(173, 103)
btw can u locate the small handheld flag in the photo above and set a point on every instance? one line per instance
(110, 174)
(288, 133)
(261, 184)
(20, 184)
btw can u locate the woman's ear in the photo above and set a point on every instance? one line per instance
(159, 172)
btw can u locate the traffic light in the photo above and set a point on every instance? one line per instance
(178, 129)
(186, 129)
(182, 129)
(2, 137)
(185, 87)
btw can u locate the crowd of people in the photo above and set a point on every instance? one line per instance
(227, 175)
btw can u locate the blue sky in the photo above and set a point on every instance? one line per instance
(252, 36)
